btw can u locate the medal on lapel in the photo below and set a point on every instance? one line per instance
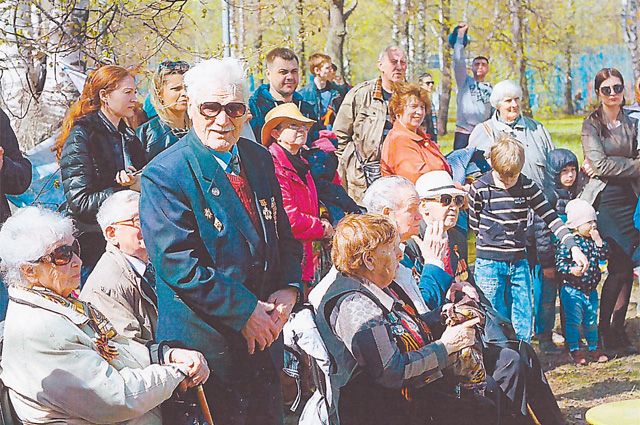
(274, 209)
(266, 212)
(208, 214)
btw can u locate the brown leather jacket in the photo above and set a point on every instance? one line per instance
(613, 156)
(359, 125)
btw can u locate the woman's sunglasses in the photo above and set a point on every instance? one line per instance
(212, 109)
(62, 255)
(607, 90)
(178, 66)
(446, 199)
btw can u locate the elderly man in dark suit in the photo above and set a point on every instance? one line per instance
(15, 178)
(227, 266)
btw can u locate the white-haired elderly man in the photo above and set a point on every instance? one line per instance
(537, 144)
(227, 266)
(122, 285)
(363, 122)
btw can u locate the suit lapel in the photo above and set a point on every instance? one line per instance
(220, 195)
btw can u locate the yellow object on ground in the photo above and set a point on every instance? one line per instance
(617, 413)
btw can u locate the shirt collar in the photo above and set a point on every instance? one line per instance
(377, 292)
(377, 90)
(138, 265)
(224, 158)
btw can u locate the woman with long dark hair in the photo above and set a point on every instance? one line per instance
(98, 152)
(609, 141)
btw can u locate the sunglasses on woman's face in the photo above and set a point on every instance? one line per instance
(608, 90)
(62, 255)
(212, 109)
(446, 199)
(178, 66)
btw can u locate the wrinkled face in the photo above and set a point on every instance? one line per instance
(613, 99)
(127, 235)
(325, 71)
(291, 133)
(173, 93)
(568, 175)
(433, 211)
(413, 114)
(585, 229)
(283, 76)
(123, 100)
(221, 132)
(407, 217)
(509, 109)
(480, 69)
(393, 66)
(61, 279)
(383, 262)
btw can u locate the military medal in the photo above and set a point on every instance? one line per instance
(266, 212)
(208, 214)
(217, 224)
(274, 209)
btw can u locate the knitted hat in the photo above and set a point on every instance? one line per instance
(579, 212)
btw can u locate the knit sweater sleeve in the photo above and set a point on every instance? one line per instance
(542, 208)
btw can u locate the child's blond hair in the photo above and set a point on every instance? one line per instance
(507, 156)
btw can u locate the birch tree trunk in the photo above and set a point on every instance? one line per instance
(631, 26)
(444, 21)
(338, 17)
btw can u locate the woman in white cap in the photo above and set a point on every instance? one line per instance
(284, 133)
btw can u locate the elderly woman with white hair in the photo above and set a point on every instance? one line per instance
(535, 138)
(228, 269)
(62, 360)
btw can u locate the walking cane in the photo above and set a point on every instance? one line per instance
(204, 406)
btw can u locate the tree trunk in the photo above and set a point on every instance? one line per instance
(302, 33)
(570, 36)
(444, 21)
(35, 81)
(517, 12)
(257, 42)
(338, 31)
(631, 27)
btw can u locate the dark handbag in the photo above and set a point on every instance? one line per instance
(371, 169)
(183, 409)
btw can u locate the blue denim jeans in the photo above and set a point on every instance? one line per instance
(544, 302)
(580, 310)
(507, 286)
(4, 300)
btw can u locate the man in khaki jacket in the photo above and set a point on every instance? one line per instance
(122, 285)
(363, 122)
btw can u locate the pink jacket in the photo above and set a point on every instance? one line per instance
(300, 201)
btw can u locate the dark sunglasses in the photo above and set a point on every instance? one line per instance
(617, 89)
(212, 109)
(446, 199)
(62, 255)
(178, 66)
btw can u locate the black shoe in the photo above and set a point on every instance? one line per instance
(609, 341)
(625, 347)
(547, 346)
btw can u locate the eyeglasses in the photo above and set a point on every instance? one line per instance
(178, 66)
(132, 222)
(62, 255)
(446, 199)
(293, 126)
(212, 109)
(429, 83)
(617, 89)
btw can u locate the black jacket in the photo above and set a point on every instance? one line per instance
(156, 136)
(15, 173)
(91, 157)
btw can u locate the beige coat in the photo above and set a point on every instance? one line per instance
(115, 289)
(359, 124)
(55, 375)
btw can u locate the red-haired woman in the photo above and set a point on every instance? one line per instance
(98, 152)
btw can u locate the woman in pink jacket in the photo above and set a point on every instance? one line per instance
(284, 134)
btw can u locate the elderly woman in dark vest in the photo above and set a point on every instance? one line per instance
(387, 363)
(609, 141)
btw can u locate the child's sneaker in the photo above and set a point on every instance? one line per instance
(598, 356)
(579, 358)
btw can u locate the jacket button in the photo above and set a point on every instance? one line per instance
(215, 191)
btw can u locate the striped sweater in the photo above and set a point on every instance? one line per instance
(499, 217)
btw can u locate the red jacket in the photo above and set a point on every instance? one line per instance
(300, 201)
(409, 154)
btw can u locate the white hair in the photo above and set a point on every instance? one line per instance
(386, 192)
(388, 50)
(28, 235)
(226, 74)
(117, 208)
(503, 90)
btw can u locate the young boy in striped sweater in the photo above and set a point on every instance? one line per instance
(499, 207)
